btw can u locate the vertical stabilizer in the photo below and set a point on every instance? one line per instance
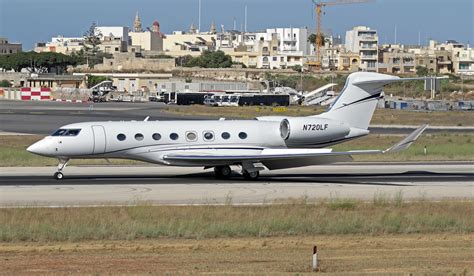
(357, 101)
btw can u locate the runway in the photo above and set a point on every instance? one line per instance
(116, 185)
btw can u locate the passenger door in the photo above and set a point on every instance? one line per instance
(99, 139)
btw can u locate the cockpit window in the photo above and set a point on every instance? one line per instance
(66, 132)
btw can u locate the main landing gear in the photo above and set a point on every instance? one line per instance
(224, 172)
(62, 164)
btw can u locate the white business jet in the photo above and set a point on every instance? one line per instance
(272, 142)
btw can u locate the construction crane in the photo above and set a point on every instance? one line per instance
(319, 42)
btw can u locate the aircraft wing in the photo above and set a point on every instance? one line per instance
(280, 158)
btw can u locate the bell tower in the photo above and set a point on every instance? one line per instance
(137, 24)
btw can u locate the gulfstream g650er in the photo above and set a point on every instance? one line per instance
(272, 142)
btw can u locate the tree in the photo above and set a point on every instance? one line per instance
(93, 80)
(210, 59)
(5, 83)
(312, 39)
(421, 71)
(297, 68)
(37, 62)
(91, 51)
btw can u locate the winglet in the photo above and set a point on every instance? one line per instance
(406, 143)
(146, 119)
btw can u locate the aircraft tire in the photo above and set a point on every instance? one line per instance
(58, 175)
(222, 172)
(251, 175)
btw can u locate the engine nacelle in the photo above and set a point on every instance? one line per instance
(307, 131)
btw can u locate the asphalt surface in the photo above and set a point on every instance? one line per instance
(111, 185)
(45, 117)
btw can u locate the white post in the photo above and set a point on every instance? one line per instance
(315, 258)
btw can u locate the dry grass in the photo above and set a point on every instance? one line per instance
(440, 254)
(330, 217)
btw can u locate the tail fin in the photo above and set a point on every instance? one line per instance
(356, 103)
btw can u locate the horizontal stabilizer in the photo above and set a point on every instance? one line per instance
(405, 143)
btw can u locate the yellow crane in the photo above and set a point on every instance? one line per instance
(319, 43)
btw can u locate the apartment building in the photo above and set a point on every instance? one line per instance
(364, 41)
(395, 59)
(9, 48)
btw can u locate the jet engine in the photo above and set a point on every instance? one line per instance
(310, 131)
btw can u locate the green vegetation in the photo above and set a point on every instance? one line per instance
(309, 81)
(93, 80)
(160, 56)
(5, 83)
(422, 71)
(440, 146)
(37, 62)
(208, 59)
(329, 217)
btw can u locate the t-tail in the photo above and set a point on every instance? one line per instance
(357, 101)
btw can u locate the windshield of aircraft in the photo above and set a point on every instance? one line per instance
(66, 132)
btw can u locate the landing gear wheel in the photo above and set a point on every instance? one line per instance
(251, 175)
(58, 175)
(223, 172)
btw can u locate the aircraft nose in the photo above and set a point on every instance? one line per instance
(41, 148)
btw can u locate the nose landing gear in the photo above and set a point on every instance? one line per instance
(62, 164)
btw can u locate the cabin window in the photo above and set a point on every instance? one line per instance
(208, 135)
(156, 136)
(243, 135)
(191, 136)
(121, 137)
(138, 136)
(174, 136)
(225, 135)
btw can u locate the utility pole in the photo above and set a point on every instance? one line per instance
(199, 17)
(245, 29)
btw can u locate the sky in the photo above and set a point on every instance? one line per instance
(31, 21)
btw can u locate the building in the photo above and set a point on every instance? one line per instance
(202, 86)
(396, 60)
(130, 62)
(9, 48)
(55, 81)
(114, 39)
(180, 43)
(290, 40)
(464, 61)
(60, 44)
(349, 61)
(149, 40)
(133, 82)
(364, 41)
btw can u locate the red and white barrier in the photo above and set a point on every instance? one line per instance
(35, 94)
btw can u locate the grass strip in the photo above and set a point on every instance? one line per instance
(384, 215)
